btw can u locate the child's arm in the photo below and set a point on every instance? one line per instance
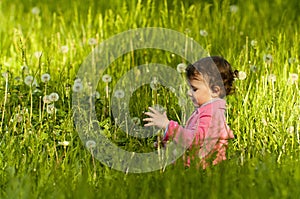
(194, 132)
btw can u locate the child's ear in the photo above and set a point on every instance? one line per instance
(216, 91)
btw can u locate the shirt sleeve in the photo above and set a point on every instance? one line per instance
(194, 132)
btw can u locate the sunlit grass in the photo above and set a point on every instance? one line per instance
(41, 154)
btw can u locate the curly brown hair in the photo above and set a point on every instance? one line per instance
(216, 71)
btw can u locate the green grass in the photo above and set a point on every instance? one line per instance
(263, 159)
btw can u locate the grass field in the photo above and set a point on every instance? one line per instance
(42, 155)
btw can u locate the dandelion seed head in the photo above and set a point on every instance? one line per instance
(18, 117)
(136, 120)
(96, 95)
(272, 78)
(292, 60)
(154, 84)
(293, 78)
(29, 80)
(77, 87)
(90, 144)
(38, 54)
(5, 75)
(77, 80)
(264, 121)
(203, 33)
(24, 68)
(92, 41)
(119, 94)
(253, 68)
(51, 109)
(64, 143)
(253, 43)
(45, 78)
(291, 129)
(268, 58)
(242, 75)
(181, 67)
(64, 49)
(172, 89)
(46, 99)
(54, 97)
(35, 10)
(106, 78)
(233, 8)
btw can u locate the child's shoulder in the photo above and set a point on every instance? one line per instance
(214, 103)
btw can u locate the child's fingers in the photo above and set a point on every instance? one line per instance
(149, 124)
(148, 119)
(153, 110)
(149, 114)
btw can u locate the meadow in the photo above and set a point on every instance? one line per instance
(44, 43)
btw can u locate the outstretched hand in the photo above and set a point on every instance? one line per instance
(156, 118)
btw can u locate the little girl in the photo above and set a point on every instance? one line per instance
(206, 132)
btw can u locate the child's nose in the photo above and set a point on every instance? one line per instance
(190, 92)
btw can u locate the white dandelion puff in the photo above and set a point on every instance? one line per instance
(253, 68)
(30, 80)
(233, 8)
(46, 99)
(51, 109)
(24, 68)
(106, 78)
(268, 58)
(272, 78)
(90, 144)
(64, 49)
(119, 94)
(181, 67)
(203, 33)
(5, 75)
(172, 89)
(154, 84)
(8, 62)
(77, 80)
(92, 41)
(293, 77)
(242, 75)
(45, 78)
(38, 54)
(54, 97)
(96, 95)
(64, 143)
(136, 120)
(292, 60)
(253, 43)
(264, 121)
(18, 117)
(77, 87)
(35, 10)
(291, 129)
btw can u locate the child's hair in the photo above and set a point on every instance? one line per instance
(210, 68)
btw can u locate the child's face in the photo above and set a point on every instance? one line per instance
(200, 92)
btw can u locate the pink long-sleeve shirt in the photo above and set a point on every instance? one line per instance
(205, 133)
